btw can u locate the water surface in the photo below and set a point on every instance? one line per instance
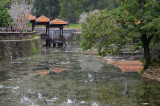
(87, 82)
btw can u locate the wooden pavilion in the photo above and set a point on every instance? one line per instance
(57, 23)
(43, 21)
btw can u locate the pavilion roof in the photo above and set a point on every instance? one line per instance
(42, 19)
(58, 22)
(31, 17)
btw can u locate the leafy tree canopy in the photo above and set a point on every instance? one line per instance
(41, 7)
(58, 8)
(133, 19)
(76, 7)
(6, 3)
(4, 16)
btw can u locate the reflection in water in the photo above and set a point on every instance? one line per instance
(90, 63)
(85, 81)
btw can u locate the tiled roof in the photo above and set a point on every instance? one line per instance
(58, 21)
(43, 19)
(31, 17)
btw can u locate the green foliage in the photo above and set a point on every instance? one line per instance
(133, 19)
(100, 30)
(34, 50)
(76, 7)
(41, 7)
(6, 3)
(74, 26)
(90, 5)
(148, 14)
(4, 16)
(145, 22)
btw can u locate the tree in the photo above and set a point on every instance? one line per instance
(19, 12)
(6, 3)
(142, 18)
(90, 5)
(84, 15)
(100, 30)
(74, 8)
(4, 16)
(95, 4)
(67, 8)
(71, 9)
(132, 20)
(49, 8)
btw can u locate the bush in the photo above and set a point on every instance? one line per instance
(4, 16)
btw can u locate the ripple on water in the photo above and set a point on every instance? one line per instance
(87, 81)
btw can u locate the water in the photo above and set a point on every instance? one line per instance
(87, 82)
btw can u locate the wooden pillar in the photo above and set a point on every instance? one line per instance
(64, 41)
(33, 26)
(48, 40)
(62, 31)
(46, 29)
(59, 31)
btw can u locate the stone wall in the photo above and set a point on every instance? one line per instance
(13, 45)
(55, 32)
(15, 35)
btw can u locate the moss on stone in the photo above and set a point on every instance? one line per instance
(2, 56)
(34, 50)
(18, 48)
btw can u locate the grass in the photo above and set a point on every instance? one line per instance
(34, 50)
(30, 25)
(74, 26)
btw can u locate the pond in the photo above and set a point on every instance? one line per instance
(81, 79)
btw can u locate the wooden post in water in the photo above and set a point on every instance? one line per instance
(46, 31)
(48, 41)
(33, 26)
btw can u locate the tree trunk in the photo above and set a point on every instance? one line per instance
(145, 41)
(41, 12)
(67, 8)
(49, 9)
(141, 4)
(95, 4)
(147, 58)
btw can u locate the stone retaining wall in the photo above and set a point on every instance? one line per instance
(15, 45)
(55, 31)
(15, 35)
